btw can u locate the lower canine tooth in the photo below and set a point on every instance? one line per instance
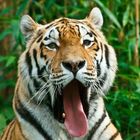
(63, 115)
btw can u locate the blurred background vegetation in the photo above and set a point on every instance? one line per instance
(123, 101)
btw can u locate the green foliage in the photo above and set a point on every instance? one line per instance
(6, 112)
(123, 102)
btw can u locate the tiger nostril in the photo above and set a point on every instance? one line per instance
(81, 64)
(73, 66)
(67, 65)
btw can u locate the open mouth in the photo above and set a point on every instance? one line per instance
(71, 108)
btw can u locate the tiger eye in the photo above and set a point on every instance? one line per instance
(52, 46)
(86, 42)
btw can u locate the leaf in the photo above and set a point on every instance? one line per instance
(5, 33)
(10, 60)
(22, 7)
(8, 113)
(2, 122)
(2, 58)
(109, 13)
(126, 16)
(15, 28)
(7, 84)
(49, 4)
(135, 69)
(5, 10)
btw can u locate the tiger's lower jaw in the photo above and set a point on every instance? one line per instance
(71, 108)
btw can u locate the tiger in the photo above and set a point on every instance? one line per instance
(64, 74)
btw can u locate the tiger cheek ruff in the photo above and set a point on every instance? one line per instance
(63, 74)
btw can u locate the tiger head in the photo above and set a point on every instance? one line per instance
(66, 63)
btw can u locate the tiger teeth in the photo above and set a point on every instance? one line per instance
(63, 115)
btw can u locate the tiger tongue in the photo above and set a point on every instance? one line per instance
(75, 118)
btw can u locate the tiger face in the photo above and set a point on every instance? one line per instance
(65, 64)
(69, 47)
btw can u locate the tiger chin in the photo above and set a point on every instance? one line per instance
(63, 74)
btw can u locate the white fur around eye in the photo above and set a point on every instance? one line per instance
(87, 37)
(51, 39)
(87, 41)
(54, 33)
(83, 30)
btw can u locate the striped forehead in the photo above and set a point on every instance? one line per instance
(64, 26)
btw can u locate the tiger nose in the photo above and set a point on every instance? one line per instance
(74, 66)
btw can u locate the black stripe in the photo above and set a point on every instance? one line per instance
(26, 115)
(47, 62)
(78, 30)
(89, 74)
(10, 135)
(39, 71)
(23, 136)
(98, 68)
(92, 114)
(90, 34)
(62, 20)
(107, 56)
(102, 80)
(59, 76)
(89, 79)
(94, 34)
(94, 97)
(35, 58)
(114, 136)
(41, 45)
(37, 84)
(39, 39)
(48, 103)
(7, 131)
(58, 81)
(97, 48)
(97, 45)
(104, 129)
(17, 87)
(41, 51)
(49, 26)
(95, 40)
(96, 126)
(101, 52)
(30, 90)
(46, 38)
(28, 62)
(92, 30)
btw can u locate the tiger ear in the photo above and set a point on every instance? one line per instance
(27, 26)
(96, 18)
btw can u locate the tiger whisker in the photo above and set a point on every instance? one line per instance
(53, 94)
(98, 88)
(42, 96)
(42, 92)
(40, 76)
(38, 92)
